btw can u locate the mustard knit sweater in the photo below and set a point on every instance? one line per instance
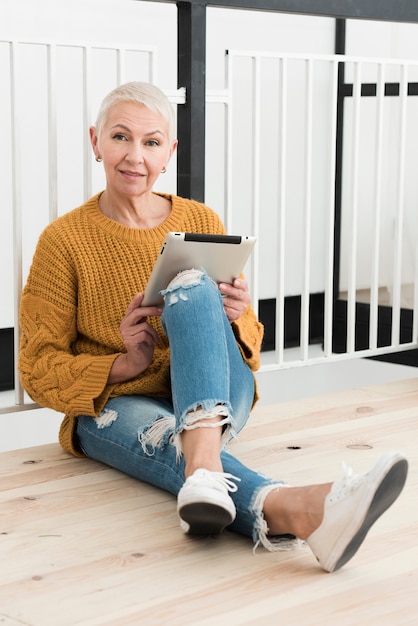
(85, 272)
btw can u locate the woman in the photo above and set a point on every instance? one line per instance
(157, 392)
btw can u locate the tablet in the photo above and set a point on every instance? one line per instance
(222, 256)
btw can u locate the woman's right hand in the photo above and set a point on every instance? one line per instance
(140, 339)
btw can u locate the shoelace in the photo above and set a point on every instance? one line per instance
(221, 479)
(344, 485)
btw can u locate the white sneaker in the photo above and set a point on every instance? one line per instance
(351, 508)
(204, 504)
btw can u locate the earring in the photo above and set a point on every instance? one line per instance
(99, 159)
(163, 171)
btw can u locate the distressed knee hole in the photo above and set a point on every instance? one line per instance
(157, 435)
(173, 298)
(106, 418)
(186, 278)
(183, 280)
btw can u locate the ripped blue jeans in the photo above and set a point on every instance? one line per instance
(139, 435)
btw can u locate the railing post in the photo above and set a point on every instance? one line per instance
(191, 48)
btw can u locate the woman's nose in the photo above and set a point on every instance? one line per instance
(135, 153)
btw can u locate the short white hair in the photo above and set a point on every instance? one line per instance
(142, 93)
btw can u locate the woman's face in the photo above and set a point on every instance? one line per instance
(134, 145)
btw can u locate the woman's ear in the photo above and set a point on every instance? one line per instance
(173, 147)
(94, 140)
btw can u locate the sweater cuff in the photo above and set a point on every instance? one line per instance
(94, 392)
(249, 335)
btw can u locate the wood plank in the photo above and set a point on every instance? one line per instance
(82, 544)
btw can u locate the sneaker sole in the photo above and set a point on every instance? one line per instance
(204, 518)
(385, 495)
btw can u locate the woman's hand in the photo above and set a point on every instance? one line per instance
(236, 298)
(140, 339)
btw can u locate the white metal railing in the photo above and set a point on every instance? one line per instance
(295, 174)
(91, 88)
(16, 143)
(360, 70)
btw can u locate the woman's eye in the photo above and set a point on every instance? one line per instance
(120, 137)
(152, 142)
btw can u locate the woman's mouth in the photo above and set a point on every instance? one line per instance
(131, 175)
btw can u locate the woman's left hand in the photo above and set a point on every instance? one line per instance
(236, 298)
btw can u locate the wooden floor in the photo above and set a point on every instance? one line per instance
(84, 545)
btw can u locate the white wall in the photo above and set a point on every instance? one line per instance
(244, 30)
(392, 40)
(144, 24)
(154, 25)
(268, 32)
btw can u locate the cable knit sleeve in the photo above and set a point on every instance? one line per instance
(52, 374)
